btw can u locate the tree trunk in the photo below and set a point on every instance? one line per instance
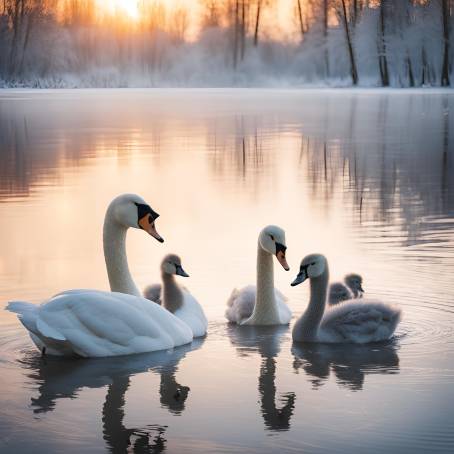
(243, 29)
(446, 25)
(16, 24)
(382, 59)
(355, 12)
(411, 77)
(353, 70)
(325, 35)
(424, 72)
(236, 31)
(257, 22)
(300, 14)
(30, 20)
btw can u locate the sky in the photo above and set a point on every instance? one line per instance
(278, 21)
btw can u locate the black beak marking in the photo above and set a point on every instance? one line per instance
(280, 248)
(143, 210)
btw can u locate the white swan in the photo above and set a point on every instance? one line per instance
(177, 299)
(349, 322)
(92, 323)
(351, 288)
(262, 304)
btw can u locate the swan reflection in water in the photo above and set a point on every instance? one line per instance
(60, 378)
(350, 363)
(266, 341)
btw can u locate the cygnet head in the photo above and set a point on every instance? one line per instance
(171, 264)
(313, 265)
(338, 292)
(272, 240)
(130, 210)
(355, 282)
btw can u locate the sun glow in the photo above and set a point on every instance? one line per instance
(128, 7)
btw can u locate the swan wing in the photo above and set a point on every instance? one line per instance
(280, 297)
(93, 323)
(285, 313)
(240, 304)
(192, 314)
(359, 322)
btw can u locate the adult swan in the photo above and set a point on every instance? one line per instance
(93, 323)
(356, 321)
(262, 304)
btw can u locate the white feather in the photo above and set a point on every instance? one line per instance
(92, 323)
(240, 305)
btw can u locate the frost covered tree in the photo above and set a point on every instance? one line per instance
(338, 42)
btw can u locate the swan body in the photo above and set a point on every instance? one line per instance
(93, 323)
(177, 299)
(348, 322)
(349, 289)
(241, 303)
(262, 304)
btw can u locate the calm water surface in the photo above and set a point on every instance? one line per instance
(365, 177)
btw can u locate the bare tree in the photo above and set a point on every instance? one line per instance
(300, 19)
(382, 57)
(353, 69)
(211, 13)
(257, 22)
(445, 11)
(325, 33)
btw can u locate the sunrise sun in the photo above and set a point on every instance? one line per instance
(128, 7)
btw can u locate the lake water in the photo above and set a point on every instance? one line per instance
(365, 177)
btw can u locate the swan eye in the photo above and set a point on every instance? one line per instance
(313, 263)
(272, 237)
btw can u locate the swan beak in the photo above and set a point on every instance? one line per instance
(280, 255)
(150, 228)
(300, 278)
(180, 271)
(361, 288)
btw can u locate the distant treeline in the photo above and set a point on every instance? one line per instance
(64, 43)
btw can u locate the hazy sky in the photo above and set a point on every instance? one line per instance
(278, 19)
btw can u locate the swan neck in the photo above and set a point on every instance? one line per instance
(172, 295)
(265, 304)
(307, 326)
(114, 241)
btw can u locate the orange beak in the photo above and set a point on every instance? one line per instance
(282, 260)
(150, 228)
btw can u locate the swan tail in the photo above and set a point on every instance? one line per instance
(21, 307)
(27, 313)
(28, 316)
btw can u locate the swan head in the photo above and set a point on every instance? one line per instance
(130, 210)
(272, 240)
(355, 282)
(171, 264)
(313, 265)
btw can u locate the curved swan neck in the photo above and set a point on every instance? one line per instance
(305, 329)
(265, 310)
(172, 295)
(114, 241)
